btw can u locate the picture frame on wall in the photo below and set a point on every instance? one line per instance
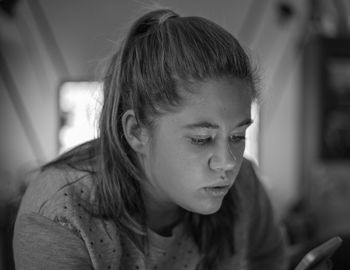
(335, 100)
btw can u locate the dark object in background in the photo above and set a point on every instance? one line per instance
(11, 192)
(341, 259)
(285, 11)
(8, 6)
(7, 219)
(335, 99)
(326, 100)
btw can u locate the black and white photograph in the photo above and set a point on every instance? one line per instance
(175, 135)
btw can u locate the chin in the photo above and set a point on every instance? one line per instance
(208, 208)
(209, 212)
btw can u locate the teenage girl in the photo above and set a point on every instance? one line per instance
(165, 184)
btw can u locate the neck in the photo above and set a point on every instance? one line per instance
(161, 218)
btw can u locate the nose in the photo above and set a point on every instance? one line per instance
(223, 159)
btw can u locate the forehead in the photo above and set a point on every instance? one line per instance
(224, 96)
(223, 90)
(219, 101)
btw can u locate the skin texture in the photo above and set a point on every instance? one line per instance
(199, 145)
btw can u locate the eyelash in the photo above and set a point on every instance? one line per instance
(203, 141)
(237, 138)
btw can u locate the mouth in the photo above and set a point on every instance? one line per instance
(217, 191)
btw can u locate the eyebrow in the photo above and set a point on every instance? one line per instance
(206, 124)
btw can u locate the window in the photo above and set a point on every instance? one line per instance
(79, 107)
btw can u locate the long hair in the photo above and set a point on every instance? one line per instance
(161, 54)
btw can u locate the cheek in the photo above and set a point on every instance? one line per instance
(238, 152)
(179, 162)
(176, 164)
(238, 149)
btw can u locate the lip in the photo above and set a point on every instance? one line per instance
(217, 190)
(219, 184)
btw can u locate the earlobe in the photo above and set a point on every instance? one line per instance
(136, 135)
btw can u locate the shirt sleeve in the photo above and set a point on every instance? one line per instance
(267, 249)
(40, 243)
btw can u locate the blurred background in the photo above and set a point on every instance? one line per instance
(52, 53)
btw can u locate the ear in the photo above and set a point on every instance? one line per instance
(136, 135)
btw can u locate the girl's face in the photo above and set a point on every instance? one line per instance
(195, 154)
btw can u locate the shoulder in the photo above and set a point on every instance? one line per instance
(61, 204)
(55, 187)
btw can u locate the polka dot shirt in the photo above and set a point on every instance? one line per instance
(55, 229)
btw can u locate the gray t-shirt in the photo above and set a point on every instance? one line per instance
(55, 229)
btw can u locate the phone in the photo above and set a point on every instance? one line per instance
(320, 253)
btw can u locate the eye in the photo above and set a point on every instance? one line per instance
(200, 140)
(237, 138)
